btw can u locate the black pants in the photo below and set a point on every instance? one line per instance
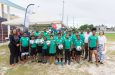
(67, 55)
(14, 54)
(87, 52)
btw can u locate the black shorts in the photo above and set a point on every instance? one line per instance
(39, 49)
(78, 52)
(59, 52)
(24, 49)
(52, 54)
(92, 48)
(73, 52)
(33, 51)
(45, 52)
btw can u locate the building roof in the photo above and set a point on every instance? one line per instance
(9, 3)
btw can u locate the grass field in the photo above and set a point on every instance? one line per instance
(40, 69)
(110, 36)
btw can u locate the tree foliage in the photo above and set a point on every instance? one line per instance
(86, 26)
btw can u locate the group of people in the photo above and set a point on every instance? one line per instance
(61, 47)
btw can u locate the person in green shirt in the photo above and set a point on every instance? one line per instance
(33, 48)
(67, 47)
(36, 34)
(52, 50)
(78, 46)
(82, 38)
(93, 45)
(45, 34)
(24, 46)
(45, 51)
(39, 42)
(59, 49)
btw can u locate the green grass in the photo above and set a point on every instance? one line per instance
(20, 70)
(110, 36)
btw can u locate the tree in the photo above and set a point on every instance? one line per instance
(85, 27)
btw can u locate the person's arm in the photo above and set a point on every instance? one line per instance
(12, 40)
(88, 42)
(97, 42)
(105, 41)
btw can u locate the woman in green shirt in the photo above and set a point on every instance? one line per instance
(93, 45)
(52, 50)
(33, 48)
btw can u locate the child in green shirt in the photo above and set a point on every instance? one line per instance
(52, 50)
(67, 47)
(33, 48)
(45, 50)
(78, 46)
(24, 46)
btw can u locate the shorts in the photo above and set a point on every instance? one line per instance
(73, 52)
(59, 52)
(52, 54)
(78, 52)
(24, 49)
(39, 49)
(33, 51)
(45, 52)
(92, 48)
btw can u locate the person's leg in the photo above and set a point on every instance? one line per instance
(86, 50)
(16, 56)
(66, 56)
(90, 55)
(96, 56)
(69, 57)
(11, 54)
(53, 59)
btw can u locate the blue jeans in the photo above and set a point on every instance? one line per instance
(101, 55)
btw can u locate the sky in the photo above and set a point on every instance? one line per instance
(95, 12)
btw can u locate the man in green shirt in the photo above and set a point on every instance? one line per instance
(93, 45)
(67, 47)
(24, 46)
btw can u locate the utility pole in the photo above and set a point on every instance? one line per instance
(67, 21)
(73, 22)
(63, 11)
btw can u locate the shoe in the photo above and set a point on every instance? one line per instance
(101, 63)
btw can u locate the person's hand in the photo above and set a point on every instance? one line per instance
(17, 45)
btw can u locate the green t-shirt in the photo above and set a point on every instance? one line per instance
(55, 37)
(44, 45)
(52, 48)
(36, 34)
(82, 37)
(93, 41)
(67, 43)
(78, 43)
(63, 37)
(40, 41)
(33, 43)
(59, 41)
(24, 41)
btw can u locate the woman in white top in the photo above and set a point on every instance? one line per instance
(101, 48)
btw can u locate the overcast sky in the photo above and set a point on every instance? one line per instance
(84, 11)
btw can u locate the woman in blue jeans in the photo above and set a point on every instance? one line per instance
(101, 47)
